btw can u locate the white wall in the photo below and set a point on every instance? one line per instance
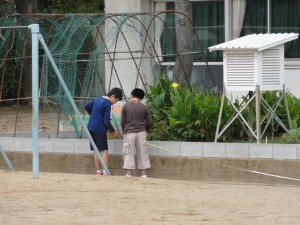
(127, 6)
(292, 68)
(292, 81)
(128, 46)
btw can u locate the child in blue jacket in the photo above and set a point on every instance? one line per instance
(100, 111)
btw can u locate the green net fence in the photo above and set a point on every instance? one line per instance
(94, 53)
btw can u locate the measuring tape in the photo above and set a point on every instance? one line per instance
(250, 171)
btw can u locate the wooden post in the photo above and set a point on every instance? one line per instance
(220, 113)
(250, 117)
(287, 108)
(258, 128)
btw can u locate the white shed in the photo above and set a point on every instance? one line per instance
(254, 63)
(256, 59)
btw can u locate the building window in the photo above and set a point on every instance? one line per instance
(247, 17)
(208, 20)
(284, 18)
(168, 38)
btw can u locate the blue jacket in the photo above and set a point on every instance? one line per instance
(100, 111)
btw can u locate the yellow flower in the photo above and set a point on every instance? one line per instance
(175, 85)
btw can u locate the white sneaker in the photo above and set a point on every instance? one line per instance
(144, 175)
(128, 175)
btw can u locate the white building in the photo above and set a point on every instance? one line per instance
(217, 21)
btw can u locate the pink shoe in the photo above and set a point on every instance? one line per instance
(99, 173)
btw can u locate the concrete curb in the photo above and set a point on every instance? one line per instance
(163, 148)
(216, 162)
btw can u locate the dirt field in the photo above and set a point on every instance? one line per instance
(20, 119)
(57, 198)
(63, 199)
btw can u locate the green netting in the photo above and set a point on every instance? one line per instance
(94, 53)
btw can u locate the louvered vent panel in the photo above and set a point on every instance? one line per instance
(270, 67)
(240, 70)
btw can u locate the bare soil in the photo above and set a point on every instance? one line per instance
(15, 119)
(79, 199)
(58, 198)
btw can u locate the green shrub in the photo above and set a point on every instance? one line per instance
(160, 131)
(291, 137)
(187, 115)
(183, 115)
(158, 98)
(293, 103)
(10, 81)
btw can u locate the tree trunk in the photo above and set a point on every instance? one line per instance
(27, 7)
(184, 40)
(42, 4)
(6, 7)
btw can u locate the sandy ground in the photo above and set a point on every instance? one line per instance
(57, 198)
(19, 119)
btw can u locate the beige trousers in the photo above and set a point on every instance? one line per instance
(135, 144)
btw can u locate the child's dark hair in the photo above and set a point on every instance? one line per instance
(117, 92)
(138, 93)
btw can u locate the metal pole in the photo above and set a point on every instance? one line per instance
(269, 16)
(287, 108)
(35, 99)
(64, 86)
(228, 19)
(250, 117)
(258, 128)
(15, 27)
(6, 159)
(220, 114)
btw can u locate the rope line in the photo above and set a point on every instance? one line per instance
(250, 171)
